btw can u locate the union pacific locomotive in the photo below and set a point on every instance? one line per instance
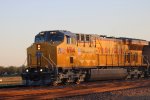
(64, 57)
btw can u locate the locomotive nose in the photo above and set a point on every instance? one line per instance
(38, 54)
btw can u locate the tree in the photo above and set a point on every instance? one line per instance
(11, 70)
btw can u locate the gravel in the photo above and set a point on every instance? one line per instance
(142, 93)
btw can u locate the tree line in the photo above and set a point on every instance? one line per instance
(11, 70)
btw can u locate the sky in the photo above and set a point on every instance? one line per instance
(21, 20)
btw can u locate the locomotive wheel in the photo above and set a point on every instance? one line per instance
(78, 81)
(142, 75)
(55, 83)
(67, 82)
(132, 77)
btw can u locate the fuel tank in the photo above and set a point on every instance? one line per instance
(106, 74)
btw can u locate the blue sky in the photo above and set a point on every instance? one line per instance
(21, 20)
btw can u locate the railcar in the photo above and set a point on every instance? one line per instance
(64, 57)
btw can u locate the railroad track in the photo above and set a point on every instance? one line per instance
(44, 92)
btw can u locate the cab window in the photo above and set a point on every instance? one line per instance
(55, 37)
(40, 38)
(68, 39)
(49, 36)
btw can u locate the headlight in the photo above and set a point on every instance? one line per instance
(39, 47)
(41, 70)
(27, 70)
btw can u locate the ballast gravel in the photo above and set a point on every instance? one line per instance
(142, 93)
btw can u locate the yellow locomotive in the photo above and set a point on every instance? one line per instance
(64, 57)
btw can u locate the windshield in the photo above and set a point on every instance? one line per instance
(39, 39)
(55, 37)
(49, 36)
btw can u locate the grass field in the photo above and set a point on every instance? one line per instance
(13, 80)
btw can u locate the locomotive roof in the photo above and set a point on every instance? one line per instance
(68, 33)
(130, 38)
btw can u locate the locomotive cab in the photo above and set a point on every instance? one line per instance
(41, 59)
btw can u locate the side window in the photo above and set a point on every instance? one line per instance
(77, 35)
(71, 60)
(82, 37)
(68, 39)
(87, 37)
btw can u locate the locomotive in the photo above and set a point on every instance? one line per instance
(60, 56)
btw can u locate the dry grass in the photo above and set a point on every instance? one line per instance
(10, 80)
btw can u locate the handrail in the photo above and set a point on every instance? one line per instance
(52, 60)
(24, 62)
(48, 61)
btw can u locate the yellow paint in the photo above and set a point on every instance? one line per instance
(97, 52)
